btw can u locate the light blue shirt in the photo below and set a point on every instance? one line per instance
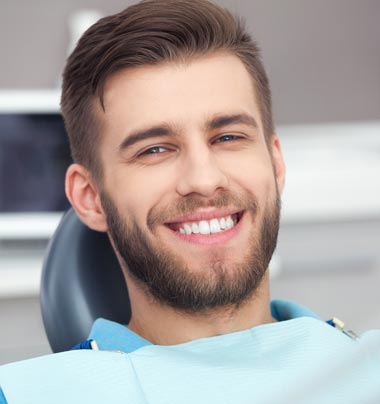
(113, 336)
(300, 359)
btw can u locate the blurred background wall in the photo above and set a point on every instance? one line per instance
(323, 59)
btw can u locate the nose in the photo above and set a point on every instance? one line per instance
(201, 174)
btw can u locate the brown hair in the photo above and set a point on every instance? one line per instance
(148, 33)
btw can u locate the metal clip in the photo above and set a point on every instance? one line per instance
(339, 324)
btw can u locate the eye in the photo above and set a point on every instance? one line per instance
(154, 150)
(226, 138)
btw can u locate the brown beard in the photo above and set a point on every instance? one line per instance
(165, 276)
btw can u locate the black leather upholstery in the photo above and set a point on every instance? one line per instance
(81, 281)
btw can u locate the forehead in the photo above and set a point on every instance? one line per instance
(182, 94)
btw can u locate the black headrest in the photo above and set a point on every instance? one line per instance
(81, 281)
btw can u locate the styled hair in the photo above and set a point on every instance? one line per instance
(149, 33)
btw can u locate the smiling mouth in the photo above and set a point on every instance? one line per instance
(207, 227)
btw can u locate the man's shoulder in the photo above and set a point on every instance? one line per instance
(63, 377)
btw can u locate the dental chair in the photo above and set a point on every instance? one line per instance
(81, 281)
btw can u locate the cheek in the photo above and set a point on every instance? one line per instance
(252, 172)
(139, 192)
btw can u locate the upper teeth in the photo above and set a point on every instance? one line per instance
(208, 226)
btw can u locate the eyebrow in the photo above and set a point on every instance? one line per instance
(217, 122)
(139, 135)
(225, 120)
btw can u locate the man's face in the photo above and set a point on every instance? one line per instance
(189, 188)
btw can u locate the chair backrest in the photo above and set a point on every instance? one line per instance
(81, 281)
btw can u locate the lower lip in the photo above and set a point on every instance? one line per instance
(210, 239)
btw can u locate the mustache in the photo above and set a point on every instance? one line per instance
(189, 204)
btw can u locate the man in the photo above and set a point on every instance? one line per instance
(168, 110)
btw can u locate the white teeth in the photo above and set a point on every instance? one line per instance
(188, 229)
(209, 226)
(214, 226)
(229, 222)
(204, 227)
(195, 228)
(222, 223)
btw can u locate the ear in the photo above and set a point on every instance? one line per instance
(278, 162)
(84, 196)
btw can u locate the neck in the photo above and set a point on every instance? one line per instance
(164, 325)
